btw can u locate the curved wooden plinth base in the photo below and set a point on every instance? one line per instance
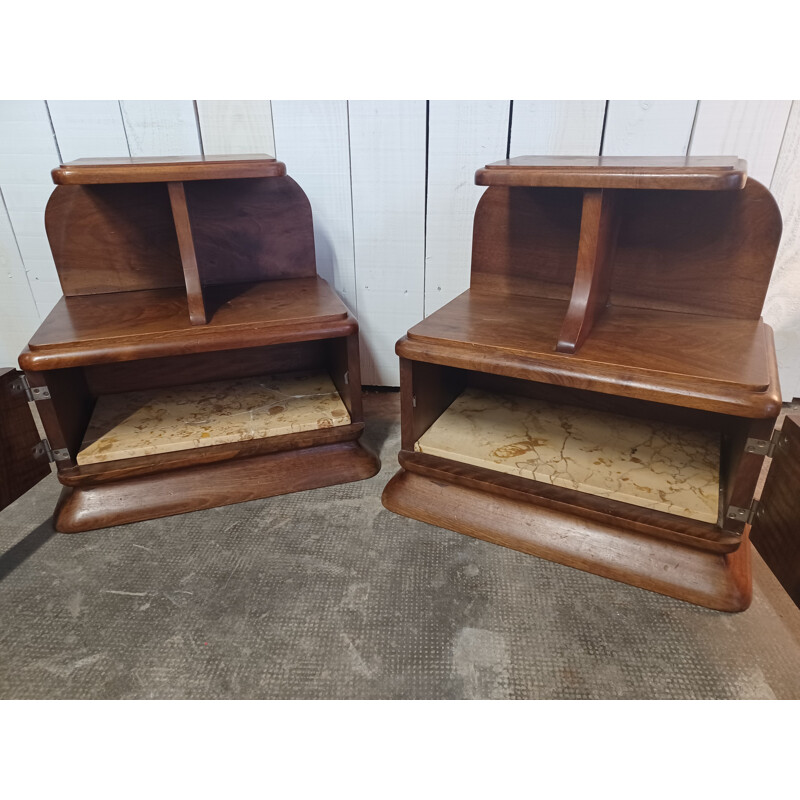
(210, 485)
(715, 580)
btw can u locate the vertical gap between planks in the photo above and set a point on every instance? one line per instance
(783, 140)
(694, 125)
(352, 209)
(603, 131)
(272, 127)
(124, 128)
(510, 123)
(53, 131)
(199, 129)
(4, 210)
(425, 221)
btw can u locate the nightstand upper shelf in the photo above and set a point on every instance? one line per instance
(708, 173)
(88, 171)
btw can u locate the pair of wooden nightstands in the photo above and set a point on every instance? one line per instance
(603, 395)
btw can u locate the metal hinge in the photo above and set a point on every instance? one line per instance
(346, 378)
(413, 401)
(21, 384)
(763, 447)
(746, 515)
(43, 449)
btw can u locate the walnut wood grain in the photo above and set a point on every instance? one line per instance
(130, 325)
(211, 485)
(704, 173)
(590, 290)
(704, 536)
(191, 275)
(20, 468)
(122, 469)
(221, 365)
(167, 168)
(707, 253)
(720, 581)
(776, 529)
(251, 230)
(721, 364)
(113, 238)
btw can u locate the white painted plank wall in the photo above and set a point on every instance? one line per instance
(750, 129)
(236, 126)
(648, 127)
(782, 307)
(311, 138)
(365, 174)
(88, 128)
(161, 127)
(557, 127)
(462, 137)
(387, 159)
(27, 154)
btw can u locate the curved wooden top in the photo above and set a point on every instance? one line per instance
(710, 173)
(167, 168)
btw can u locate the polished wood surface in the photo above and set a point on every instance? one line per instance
(204, 486)
(716, 580)
(590, 284)
(177, 271)
(251, 230)
(167, 168)
(20, 467)
(707, 253)
(709, 173)
(704, 536)
(129, 325)
(661, 356)
(776, 529)
(123, 469)
(191, 274)
(599, 225)
(113, 238)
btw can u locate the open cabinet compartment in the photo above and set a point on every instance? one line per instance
(189, 273)
(630, 287)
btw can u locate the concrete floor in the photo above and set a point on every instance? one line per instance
(325, 594)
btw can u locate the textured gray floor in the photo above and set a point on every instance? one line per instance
(325, 594)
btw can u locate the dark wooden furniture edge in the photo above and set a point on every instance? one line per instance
(714, 580)
(228, 338)
(167, 168)
(619, 382)
(691, 533)
(111, 471)
(603, 172)
(211, 485)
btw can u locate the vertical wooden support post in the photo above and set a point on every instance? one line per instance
(593, 271)
(191, 274)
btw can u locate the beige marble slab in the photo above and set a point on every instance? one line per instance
(650, 464)
(183, 418)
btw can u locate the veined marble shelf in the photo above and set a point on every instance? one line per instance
(649, 464)
(203, 414)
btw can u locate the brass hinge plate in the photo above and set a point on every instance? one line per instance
(32, 394)
(763, 447)
(43, 449)
(746, 515)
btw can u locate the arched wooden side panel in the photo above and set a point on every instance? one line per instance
(113, 238)
(525, 240)
(251, 230)
(698, 252)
